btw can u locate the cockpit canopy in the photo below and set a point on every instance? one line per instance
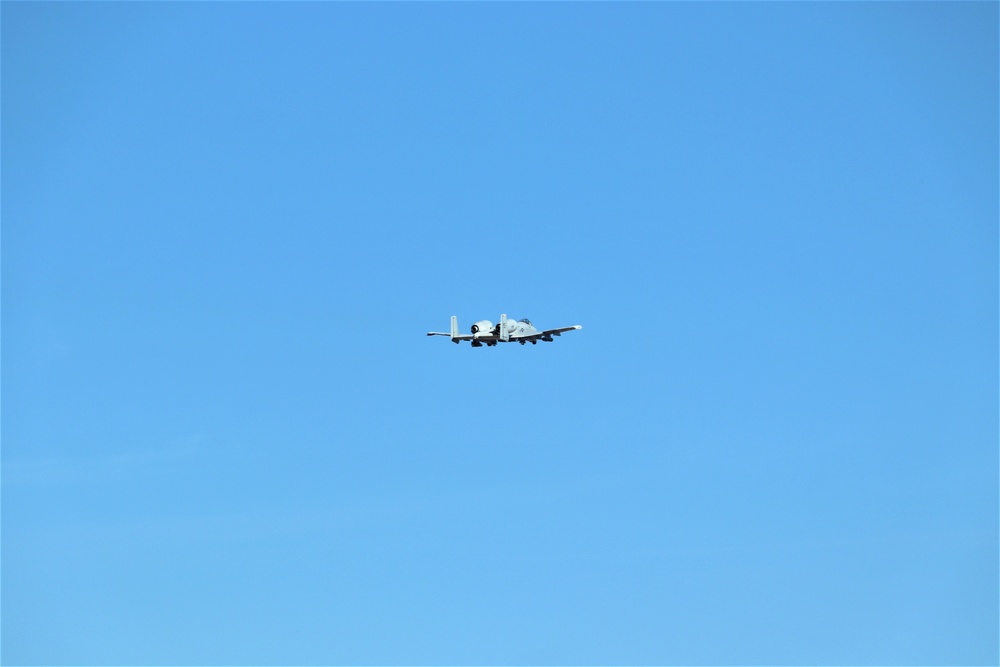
(526, 321)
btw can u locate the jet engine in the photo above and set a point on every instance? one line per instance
(509, 325)
(482, 327)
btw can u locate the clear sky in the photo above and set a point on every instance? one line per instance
(226, 228)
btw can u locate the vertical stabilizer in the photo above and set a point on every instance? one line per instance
(454, 328)
(504, 334)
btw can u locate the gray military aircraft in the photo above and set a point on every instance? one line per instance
(507, 331)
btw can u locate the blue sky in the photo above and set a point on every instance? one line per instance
(227, 227)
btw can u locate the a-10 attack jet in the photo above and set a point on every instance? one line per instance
(507, 331)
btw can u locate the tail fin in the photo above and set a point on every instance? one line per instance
(504, 334)
(454, 328)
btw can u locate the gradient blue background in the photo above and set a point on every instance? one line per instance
(227, 227)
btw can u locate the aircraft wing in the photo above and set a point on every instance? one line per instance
(547, 334)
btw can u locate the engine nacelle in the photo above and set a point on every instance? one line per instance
(509, 325)
(482, 327)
